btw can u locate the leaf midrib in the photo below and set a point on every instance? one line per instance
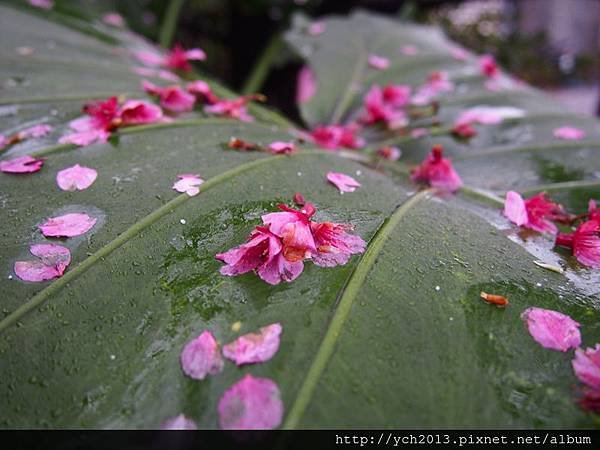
(343, 308)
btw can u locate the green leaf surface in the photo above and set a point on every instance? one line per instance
(398, 337)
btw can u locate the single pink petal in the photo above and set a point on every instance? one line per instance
(437, 171)
(3, 141)
(306, 85)
(195, 54)
(76, 178)
(202, 91)
(282, 147)
(488, 115)
(514, 208)
(85, 138)
(488, 66)
(201, 357)
(52, 263)
(175, 99)
(552, 329)
(260, 249)
(335, 245)
(586, 366)
(409, 50)
(316, 28)
(379, 62)
(43, 4)
(67, 225)
(280, 269)
(254, 347)
(35, 132)
(586, 244)
(188, 183)
(139, 112)
(179, 422)
(343, 182)
(21, 164)
(149, 58)
(569, 133)
(251, 404)
(114, 19)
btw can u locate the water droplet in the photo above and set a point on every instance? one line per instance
(437, 288)
(182, 221)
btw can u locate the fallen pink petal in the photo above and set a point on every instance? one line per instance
(255, 347)
(42, 4)
(409, 50)
(333, 137)
(179, 422)
(179, 58)
(188, 183)
(488, 66)
(437, 83)
(306, 85)
(586, 366)
(52, 262)
(569, 133)
(378, 62)
(488, 115)
(21, 164)
(76, 178)
(201, 357)
(172, 98)
(36, 131)
(316, 28)
(345, 183)
(113, 19)
(280, 147)
(234, 108)
(67, 225)
(202, 91)
(551, 329)
(139, 112)
(390, 153)
(251, 404)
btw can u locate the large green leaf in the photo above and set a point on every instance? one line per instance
(397, 337)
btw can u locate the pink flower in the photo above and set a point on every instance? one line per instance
(409, 50)
(293, 227)
(343, 182)
(262, 253)
(585, 243)
(76, 178)
(316, 28)
(254, 347)
(437, 82)
(586, 366)
(234, 108)
(306, 85)
(68, 225)
(114, 19)
(281, 147)
(552, 329)
(437, 171)
(179, 422)
(593, 210)
(488, 66)
(386, 105)
(569, 133)
(535, 213)
(21, 164)
(178, 58)
(335, 136)
(201, 356)
(335, 245)
(251, 404)
(43, 4)
(139, 112)
(390, 153)
(35, 132)
(102, 117)
(172, 98)
(52, 263)
(188, 183)
(378, 62)
(202, 91)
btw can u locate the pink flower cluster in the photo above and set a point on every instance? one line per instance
(537, 213)
(332, 137)
(251, 403)
(387, 105)
(103, 117)
(276, 250)
(557, 331)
